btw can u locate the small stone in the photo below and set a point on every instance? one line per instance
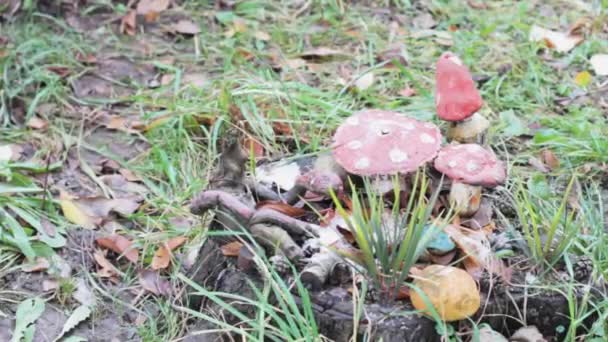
(441, 243)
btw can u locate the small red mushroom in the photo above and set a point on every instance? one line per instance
(470, 166)
(376, 142)
(458, 100)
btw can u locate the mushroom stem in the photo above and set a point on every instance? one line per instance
(319, 268)
(465, 198)
(471, 130)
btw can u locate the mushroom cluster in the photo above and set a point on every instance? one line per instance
(372, 144)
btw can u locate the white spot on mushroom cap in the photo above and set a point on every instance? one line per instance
(452, 163)
(472, 166)
(427, 139)
(429, 125)
(353, 120)
(362, 163)
(354, 145)
(455, 59)
(408, 125)
(397, 156)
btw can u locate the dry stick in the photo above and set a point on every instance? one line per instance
(46, 179)
(274, 236)
(288, 223)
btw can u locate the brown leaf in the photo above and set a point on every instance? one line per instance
(281, 207)
(122, 123)
(90, 212)
(550, 159)
(254, 146)
(477, 5)
(129, 175)
(323, 54)
(107, 269)
(128, 23)
(231, 249)
(151, 6)
(482, 217)
(62, 72)
(152, 282)
(394, 52)
(37, 123)
(538, 165)
(119, 244)
(49, 285)
(86, 59)
(478, 254)
(162, 257)
(186, 26)
(39, 264)
(281, 128)
(407, 92)
(561, 42)
(49, 228)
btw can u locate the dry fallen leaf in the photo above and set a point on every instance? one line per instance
(37, 123)
(39, 264)
(583, 78)
(550, 159)
(90, 212)
(281, 207)
(323, 54)
(152, 282)
(107, 270)
(407, 92)
(122, 123)
(145, 7)
(186, 26)
(162, 257)
(560, 41)
(261, 35)
(528, 334)
(599, 64)
(119, 244)
(255, 147)
(365, 81)
(49, 285)
(231, 249)
(128, 23)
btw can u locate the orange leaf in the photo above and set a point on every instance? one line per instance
(254, 146)
(283, 208)
(119, 244)
(162, 257)
(128, 23)
(550, 159)
(107, 269)
(231, 249)
(281, 128)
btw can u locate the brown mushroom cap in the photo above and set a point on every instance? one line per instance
(471, 164)
(377, 142)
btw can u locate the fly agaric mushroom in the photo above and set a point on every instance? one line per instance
(458, 100)
(380, 143)
(470, 166)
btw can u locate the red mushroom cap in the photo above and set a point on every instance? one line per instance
(456, 95)
(377, 142)
(471, 164)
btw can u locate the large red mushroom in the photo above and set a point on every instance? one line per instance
(458, 100)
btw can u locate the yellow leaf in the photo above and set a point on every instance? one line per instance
(583, 78)
(74, 213)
